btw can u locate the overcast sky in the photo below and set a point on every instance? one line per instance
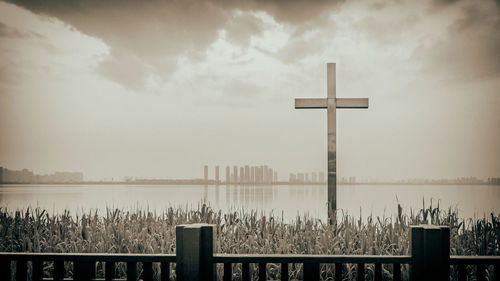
(160, 88)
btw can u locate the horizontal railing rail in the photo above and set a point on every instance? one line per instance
(473, 260)
(195, 259)
(105, 257)
(271, 258)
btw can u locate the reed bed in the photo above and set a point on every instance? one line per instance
(118, 231)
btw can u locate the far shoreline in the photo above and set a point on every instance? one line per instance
(213, 183)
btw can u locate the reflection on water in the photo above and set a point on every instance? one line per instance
(290, 201)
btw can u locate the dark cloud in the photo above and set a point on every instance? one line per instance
(241, 27)
(383, 30)
(7, 31)
(471, 48)
(151, 31)
(294, 12)
(445, 2)
(298, 48)
(126, 70)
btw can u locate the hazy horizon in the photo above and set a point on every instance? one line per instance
(158, 89)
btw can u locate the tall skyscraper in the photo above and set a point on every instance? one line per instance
(228, 174)
(216, 174)
(242, 174)
(235, 174)
(275, 176)
(264, 174)
(252, 174)
(261, 174)
(247, 174)
(322, 177)
(300, 177)
(206, 173)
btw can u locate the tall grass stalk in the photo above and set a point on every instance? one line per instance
(244, 232)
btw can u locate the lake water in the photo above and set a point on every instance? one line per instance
(379, 200)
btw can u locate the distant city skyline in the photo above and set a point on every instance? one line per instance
(160, 90)
(251, 175)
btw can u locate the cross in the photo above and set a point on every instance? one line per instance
(331, 103)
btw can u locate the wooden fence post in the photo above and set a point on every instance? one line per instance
(445, 252)
(430, 251)
(436, 253)
(417, 253)
(194, 252)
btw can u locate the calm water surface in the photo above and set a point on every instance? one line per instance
(379, 200)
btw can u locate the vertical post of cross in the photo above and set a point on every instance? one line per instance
(332, 141)
(194, 252)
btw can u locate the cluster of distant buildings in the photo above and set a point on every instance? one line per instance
(27, 176)
(304, 177)
(243, 175)
(461, 181)
(495, 181)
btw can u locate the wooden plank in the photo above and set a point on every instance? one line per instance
(396, 272)
(131, 271)
(311, 103)
(37, 273)
(360, 273)
(496, 272)
(5, 269)
(339, 268)
(245, 271)
(470, 260)
(462, 272)
(228, 271)
(378, 272)
(179, 248)
(434, 261)
(109, 271)
(311, 271)
(165, 271)
(352, 103)
(147, 271)
(207, 267)
(284, 271)
(417, 253)
(21, 270)
(481, 272)
(262, 271)
(445, 253)
(82, 270)
(191, 253)
(92, 269)
(58, 270)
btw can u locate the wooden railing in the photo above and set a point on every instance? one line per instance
(195, 260)
(311, 268)
(480, 263)
(84, 265)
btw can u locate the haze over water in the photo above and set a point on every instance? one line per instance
(288, 201)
